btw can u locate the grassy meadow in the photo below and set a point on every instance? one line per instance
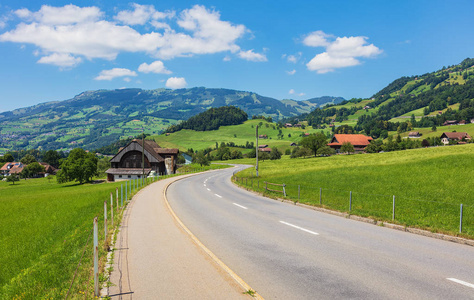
(239, 134)
(429, 185)
(45, 227)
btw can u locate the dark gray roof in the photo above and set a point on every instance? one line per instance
(127, 171)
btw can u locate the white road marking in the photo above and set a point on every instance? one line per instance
(300, 228)
(240, 206)
(461, 282)
(218, 196)
(209, 189)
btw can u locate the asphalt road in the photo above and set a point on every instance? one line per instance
(289, 252)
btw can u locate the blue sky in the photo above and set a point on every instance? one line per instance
(283, 49)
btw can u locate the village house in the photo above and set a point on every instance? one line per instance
(454, 136)
(414, 134)
(268, 150)
(262, 146)
(263, 136)
(359, 141)
(127, 163)
(450, 122)
(288, 125)
(11, 168)
(48, 169)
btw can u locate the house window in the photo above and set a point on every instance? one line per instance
(120, 176)
(129, 176)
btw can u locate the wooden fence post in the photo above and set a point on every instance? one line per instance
(350, 201)
(320, 196)
(96, 258)
(105, 221)
(460, 221)
(116, 194)
(112, 208)
(393, 208)
(121, 195)
(284, 190)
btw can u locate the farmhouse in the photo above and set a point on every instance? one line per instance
(263, 136)
(359, 141)
(414, 134)
(268, 150)
(450, 122)
(454, 136)
(127, 163)
(11, 168)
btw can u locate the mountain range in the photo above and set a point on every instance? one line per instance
(94, 119)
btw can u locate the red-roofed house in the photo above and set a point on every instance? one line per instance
(359, 141)
(265, 149)
(457, 136)
(127, 163)
(11, 168)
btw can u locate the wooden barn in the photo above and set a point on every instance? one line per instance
(127, 163)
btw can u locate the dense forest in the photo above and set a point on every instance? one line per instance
(212, 119)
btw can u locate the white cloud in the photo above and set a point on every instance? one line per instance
(68, 14)
(114, 73)
(340, 53)
(227, 58)
(294, 58)
(141, 15)
(61, 60)
(316, 39)
(301, 94)
(292, 72)
(155, 67)
(127, 79)
(85, 32)
(176, 83)
(252, 56)
(291, 92)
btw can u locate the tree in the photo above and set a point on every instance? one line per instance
(347, 148)
(275, 154)
(314, 141)
(103, 164)
(8, 158)
(433, 128)
(200, 158)
(32, 170)
(425, 143)
(326, 151)
(52, 158)
(375, 146)
(12, 178)
(79, 166)
(28, 159)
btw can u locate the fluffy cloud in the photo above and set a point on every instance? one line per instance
(316, 39)
(252, 56)
(60, 59)
(141, 14)
(340, 53)
(294, 58)
(72, 31)
(291, 92)
(155, 67)
(292, 72)
(114, 73)
(68, 14)
(176, 83)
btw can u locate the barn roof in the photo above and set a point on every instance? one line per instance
(354, 139)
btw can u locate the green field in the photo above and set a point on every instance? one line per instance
(45, 227)
(239, 134)
(429, 184)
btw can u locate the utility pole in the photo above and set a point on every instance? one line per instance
(143, 155)
(256, 150)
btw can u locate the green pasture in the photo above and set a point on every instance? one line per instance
(427, 132)
(429, 185)
(239, 134)
(45, 227)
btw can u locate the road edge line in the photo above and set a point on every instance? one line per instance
(221, 264)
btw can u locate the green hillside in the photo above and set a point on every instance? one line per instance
(238, 134)
(98, 118)
(408, 103)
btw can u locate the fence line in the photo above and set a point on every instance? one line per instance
(389, 207)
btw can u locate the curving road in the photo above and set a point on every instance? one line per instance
(289, 252)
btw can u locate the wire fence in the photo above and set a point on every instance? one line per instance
(432, 215)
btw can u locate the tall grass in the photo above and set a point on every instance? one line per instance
(429, 185)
